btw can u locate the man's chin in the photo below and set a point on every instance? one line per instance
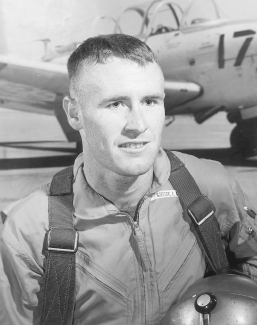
(132, 165)
(134, 170)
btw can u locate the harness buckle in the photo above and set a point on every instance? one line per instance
(62, 240)
(198, 223)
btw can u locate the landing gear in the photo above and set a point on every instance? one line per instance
(243, 138)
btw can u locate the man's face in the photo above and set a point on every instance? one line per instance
(122, 112)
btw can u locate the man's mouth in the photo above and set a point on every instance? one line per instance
(133, 145)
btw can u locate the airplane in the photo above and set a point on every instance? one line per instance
(209, 64)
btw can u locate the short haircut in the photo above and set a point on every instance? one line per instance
(100, 48)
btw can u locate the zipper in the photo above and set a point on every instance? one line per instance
(133, 223)
(138, 208)
(138, 235)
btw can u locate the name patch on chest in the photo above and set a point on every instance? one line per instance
(164, 194)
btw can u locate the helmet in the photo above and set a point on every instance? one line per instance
(220, 299)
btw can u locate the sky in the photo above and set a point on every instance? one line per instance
(238, 9)
(233, 9)
(241, 9)
(24, 23)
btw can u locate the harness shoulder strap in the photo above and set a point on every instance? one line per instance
(61, 245)
(201, 211)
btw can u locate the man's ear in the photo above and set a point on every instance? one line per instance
(71, 108)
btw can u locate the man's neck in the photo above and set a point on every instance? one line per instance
(123, 191)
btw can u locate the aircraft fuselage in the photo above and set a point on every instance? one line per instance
(220, 55)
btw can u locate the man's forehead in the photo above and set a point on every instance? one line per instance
(88, 68)
(95, 77)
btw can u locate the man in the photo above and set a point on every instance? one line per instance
(137, 252)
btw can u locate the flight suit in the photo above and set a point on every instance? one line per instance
(127, 272)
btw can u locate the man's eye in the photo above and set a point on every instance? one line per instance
(116, 104)
(149, 102)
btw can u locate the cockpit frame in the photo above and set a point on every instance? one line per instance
(153, 9)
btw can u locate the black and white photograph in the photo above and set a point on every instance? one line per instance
(128, 162)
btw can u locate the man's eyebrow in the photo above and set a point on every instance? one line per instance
(125, 98)
(113, 99)
(155, 96)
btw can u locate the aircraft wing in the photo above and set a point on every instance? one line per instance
(36, 87)
(39, 87)
(180, 92)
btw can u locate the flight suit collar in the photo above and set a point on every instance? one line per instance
(90, 205)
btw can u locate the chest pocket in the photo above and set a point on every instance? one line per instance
(187, 266)
(100, 298)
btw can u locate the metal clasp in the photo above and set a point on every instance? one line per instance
(203, 219)
(62, 240)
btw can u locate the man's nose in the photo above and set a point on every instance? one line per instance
(136, 120)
